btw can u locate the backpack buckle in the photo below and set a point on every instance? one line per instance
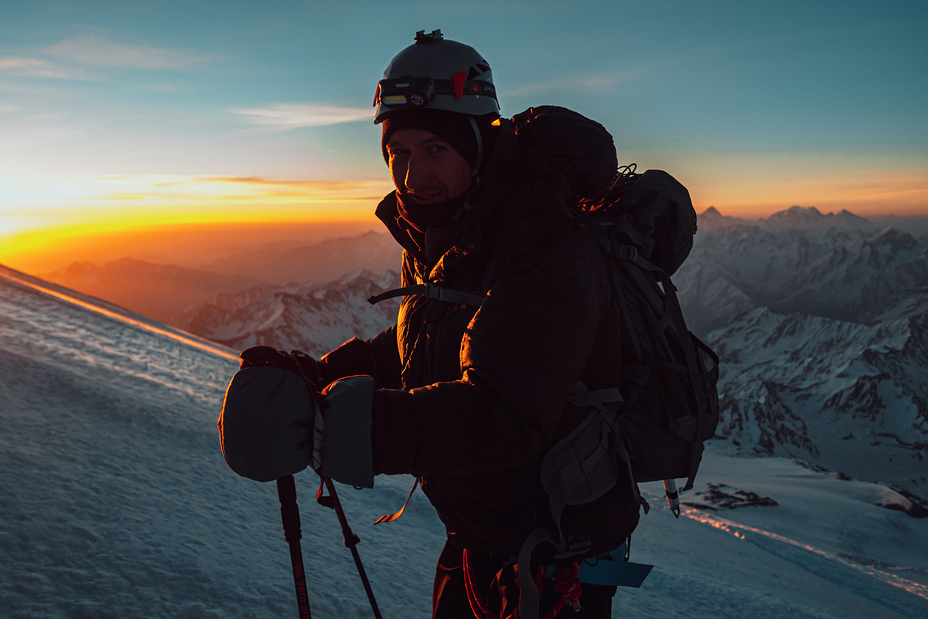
(628, 252)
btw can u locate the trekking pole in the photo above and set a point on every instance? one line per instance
(290, 515)
(351, 540)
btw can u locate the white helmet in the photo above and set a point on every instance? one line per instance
(437, 74)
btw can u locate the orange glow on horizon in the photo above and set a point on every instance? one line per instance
(878, 193)
(36, 203)
(54, 221)
(185, 244)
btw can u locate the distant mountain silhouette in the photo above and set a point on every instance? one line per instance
(318, 262)
(168, 293)
(158, 291)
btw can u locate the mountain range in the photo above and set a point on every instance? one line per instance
(821, 322)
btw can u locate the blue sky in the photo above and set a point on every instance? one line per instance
(144, 110)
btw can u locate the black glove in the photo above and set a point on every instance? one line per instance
(275, 421)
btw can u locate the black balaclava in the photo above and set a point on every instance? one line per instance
(452, 127)
(456, 129)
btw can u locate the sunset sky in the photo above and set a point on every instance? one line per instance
(138, 116)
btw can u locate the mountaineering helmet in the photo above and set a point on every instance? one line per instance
(436, 74)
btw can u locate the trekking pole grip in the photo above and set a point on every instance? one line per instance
(290, 516)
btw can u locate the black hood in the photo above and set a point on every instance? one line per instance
(553, 155)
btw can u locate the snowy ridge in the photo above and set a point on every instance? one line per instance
(17, 278)
(314, 318)
(847, 397)
(116, 503)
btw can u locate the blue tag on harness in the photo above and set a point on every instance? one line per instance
(607, 570)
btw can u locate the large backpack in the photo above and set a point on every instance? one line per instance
(645, 226)
(666, 404)
(652, 426)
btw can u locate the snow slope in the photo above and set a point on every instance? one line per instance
(116, 502)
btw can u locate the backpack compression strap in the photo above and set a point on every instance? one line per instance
(673, 312)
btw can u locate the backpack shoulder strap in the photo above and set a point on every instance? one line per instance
(431, 291)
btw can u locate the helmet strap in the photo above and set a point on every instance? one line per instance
(479, 158)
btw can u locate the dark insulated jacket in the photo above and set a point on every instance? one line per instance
(470, 398)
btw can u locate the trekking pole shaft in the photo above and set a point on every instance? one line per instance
(351, 540)
(290, 516)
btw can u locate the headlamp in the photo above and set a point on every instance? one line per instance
(415, 92)
(406, 92)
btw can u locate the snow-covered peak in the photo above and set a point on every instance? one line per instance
(793, 218)
(712, 218)
(810, 217)
(844, 396)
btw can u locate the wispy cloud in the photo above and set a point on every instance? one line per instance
(311, 190)
(68, 58)
(290, 116)
(81, 198)
(95, 50)
(600, 81)
(19, 65)
(612, 76)
(260, 180)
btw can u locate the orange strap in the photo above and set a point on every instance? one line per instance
(566, 583)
